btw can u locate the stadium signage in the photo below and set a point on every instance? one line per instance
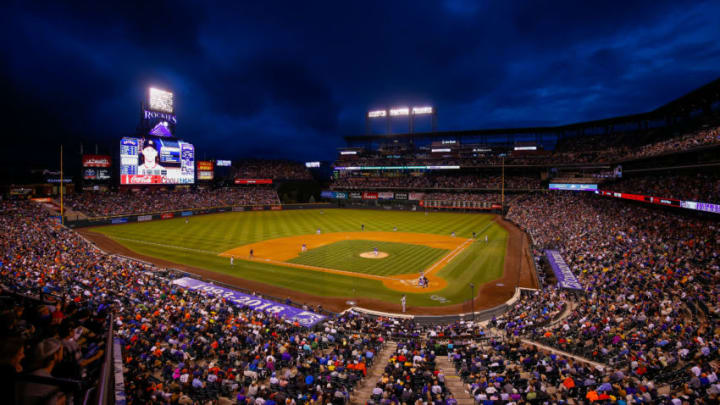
(238, 209)
(351, 168)
(142, 218)
(96, 161)
(333, 194)
(377, 114)
(563, 274)
(573, 187)
(168, 215)
(670, 202)
(141, 179)
(312, 164)
(367, 195)
(203, 175)
(253, 181)
(386, 195)
(152, 115)
(276, 207)
(291, 314)
(119, 220)
(401, 196)
(186, 213)
(355, 195)
(700, 206)
(223, 163)
(205, 165)
(416, 196)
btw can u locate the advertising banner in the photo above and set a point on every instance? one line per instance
(367, 195)
(563, 274)
(701, 206)
(96, 161)
(276, 208)
(386, 195)
(238, 209)
(401, 196)
(286, 312)
(119, 221)
(205, 165)
(186, 213)
(416, 196)
(258, 208)
(253, 181)
(167, 215)
(356, 195)
(573, 187)
(142, 218)
(141, 179)
(203, 175)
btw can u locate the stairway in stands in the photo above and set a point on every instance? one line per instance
(453, 382)
(364, 389)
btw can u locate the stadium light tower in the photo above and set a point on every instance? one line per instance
(409, 112)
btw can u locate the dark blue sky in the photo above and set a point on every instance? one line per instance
(276, 79)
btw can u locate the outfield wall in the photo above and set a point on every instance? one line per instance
(124, 219)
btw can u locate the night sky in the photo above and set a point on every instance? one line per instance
(289, 79)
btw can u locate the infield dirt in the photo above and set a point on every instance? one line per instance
(517, 273)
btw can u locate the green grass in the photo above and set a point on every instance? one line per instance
(198, 243)
(402, 258)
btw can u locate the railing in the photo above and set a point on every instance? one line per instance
(106, 372)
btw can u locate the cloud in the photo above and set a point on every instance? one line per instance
(291, 80)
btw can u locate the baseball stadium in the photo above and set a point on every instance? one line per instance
(322, 203)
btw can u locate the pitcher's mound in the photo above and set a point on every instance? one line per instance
(372, 255)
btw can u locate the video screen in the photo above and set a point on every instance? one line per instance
(153, 160)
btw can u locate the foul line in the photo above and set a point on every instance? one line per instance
(445, 260)
(450, 256)
(442, 262)
(260, 259)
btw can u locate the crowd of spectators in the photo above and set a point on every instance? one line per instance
(411, 376)
(150, 201)
(701, 187)
(270, 169)
(649, 304)
(178, 346)
(606, 148)
(429, 181)
(647, 312)
(470, 197)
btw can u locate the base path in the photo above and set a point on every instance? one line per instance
(283, 249)
(278, 251)
(517, 273)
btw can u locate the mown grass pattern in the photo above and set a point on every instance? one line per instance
(345, 255)
(198, 242)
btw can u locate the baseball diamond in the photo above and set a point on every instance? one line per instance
(331, 269)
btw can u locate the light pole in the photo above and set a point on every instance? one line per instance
(472, 299)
